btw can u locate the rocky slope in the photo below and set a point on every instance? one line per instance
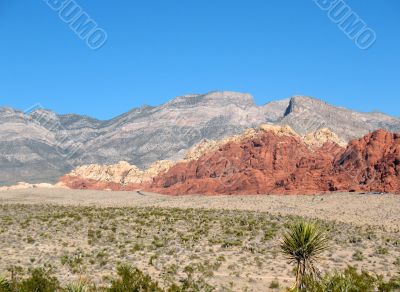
(272, 160)
(28, 151)
(370, 163)
(277, 160)
(320, 147)
(306, 114)
(41, 146)
(285, 165)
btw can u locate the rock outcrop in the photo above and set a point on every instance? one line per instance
(371, 163)
(120, 176)
(317, 138)
(277, 161)
(129, 176)
(286, 164)
(267, 160)
(207, 145)
(322, 136)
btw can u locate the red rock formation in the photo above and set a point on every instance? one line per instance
(268, 163)
(371, 163)
(74, 182)
(271, 164)
(277, 163)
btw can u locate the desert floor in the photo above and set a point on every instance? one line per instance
(228, 242)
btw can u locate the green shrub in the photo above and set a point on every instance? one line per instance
(5, 286)
(192, 285)
(133, 280)
(39, 281)
(358, 256)
(349, 280)
(77, 287)
(392, 285)
(382, 250)
(274, 284)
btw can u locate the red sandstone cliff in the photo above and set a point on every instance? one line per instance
(276, 161)
(266, 164)
(285, 165)
(371, 163)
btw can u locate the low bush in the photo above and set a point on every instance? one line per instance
(40, 280)
(5, 285)
(350, 280)
(133, 280)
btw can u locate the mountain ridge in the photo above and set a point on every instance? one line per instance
(44, 145)
(286, 100)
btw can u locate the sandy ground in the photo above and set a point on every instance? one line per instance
(358, 209)
(229, 242)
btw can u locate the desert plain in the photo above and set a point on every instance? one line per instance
(226, 243)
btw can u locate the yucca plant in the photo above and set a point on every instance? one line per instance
(81, 286)
(302, 244)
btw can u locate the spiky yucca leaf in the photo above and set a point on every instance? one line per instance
(304, 241)
(78, 287)
(302, 244)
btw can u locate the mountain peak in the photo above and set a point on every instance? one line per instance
(43, 116)
(214, 98)
(299, 103)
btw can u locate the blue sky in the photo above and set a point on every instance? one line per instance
(157, 50)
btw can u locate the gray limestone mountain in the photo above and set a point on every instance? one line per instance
(42, 146)
(305, 114)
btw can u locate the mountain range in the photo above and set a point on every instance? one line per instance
(41, 146)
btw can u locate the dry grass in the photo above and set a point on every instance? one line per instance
(232, 250)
